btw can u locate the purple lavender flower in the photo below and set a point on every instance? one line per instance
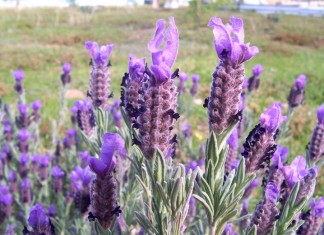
(316, 147)
(57, 176)
(163, 59)
(25, 191)
(66, 77)
(131, 87)
(39, 221)
(245, 210)
(114, 111)
(193, 165)
(254, 81)
(249, 190)
(85, 116)
(103, 190)
(297, 93)
(232, 151)
(275, 175)
(19, 76)
(182, 81)
(12, 179)
(10, 230)
(35, 106)
(266, 212)
(195, 82)
(51, 210)
(7, 129)
(23, 165)
(80, 179)
(44, 162)
(99, 80)
(159, 102)
(297, 172)
(228, 77)
(6, 200)
(23, 136)
(260, 146)
(186, 130)
(228, 230)
(84, 158)
(312, 219)
(22, 120)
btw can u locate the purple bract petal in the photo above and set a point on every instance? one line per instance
(19, 75)
(295, 171)
(195, 78)
(36, 105)
(22, 108)
(272, 192)
(136, 67)
(99, 55)
(280, 155)
(66, 68)
(231, 49)
(300, 82)
(233, 139)
(23, 135)
(37, 217)
(57, 172)
(318, 207)
(272, 118)
(163, 59)
(257, 70)
(320, 114)
(183, 76)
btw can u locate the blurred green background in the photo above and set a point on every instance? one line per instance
(40, 40)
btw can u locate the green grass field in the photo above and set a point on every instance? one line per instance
(40, 40)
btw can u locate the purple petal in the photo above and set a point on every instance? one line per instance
(161, 72)
(222, 41)
(97, 166)
(36, 105)
(320, 114)
(233, 139)
(300, 82)
(318, 207)
(66, 68)
(280, 155)
(295, 171)
(136, 67)
(272, 192)
(257, 70)
(18, 74)
(272, 118)
(158, 37)
(183, 76)
(195, 78)
(238, 31)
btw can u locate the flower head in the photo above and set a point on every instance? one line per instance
(112, 144)
(183, 76)
(186, 130)
(163, 59)
(57, 172)
(195, 78)
(272, 192)
(25, 184)
(52, 210)
(295, 171)
(280, 155)
(6, 197)
(99, 54)
(22, 108)
(66, 68)
(136, 67)
(23, 135)
(36, 105)
(257, 70)
(24, 158)
(320, 114)
(318, 207)
(300, 81)
(272, 118)
(38, 219)
(19, 75)
(229, 41)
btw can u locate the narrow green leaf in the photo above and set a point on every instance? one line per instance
(209, 210)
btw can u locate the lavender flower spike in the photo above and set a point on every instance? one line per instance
(228, 77)
(19, 76)
(159, 103)
(99, 80)
(182, 80)
(195, 82)
(131, 83)
(39, 221)
(66, 77)
(313, 219)
(296, 95)
(103, 190)
(35, 106)
(254, 81)
(265, 212)
(85, 116)
(6, 200)
(260, 146)
(316, 147)
(57, 176)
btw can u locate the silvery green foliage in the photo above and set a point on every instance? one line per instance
(221, 197)
(167, 191)
(290, 212)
